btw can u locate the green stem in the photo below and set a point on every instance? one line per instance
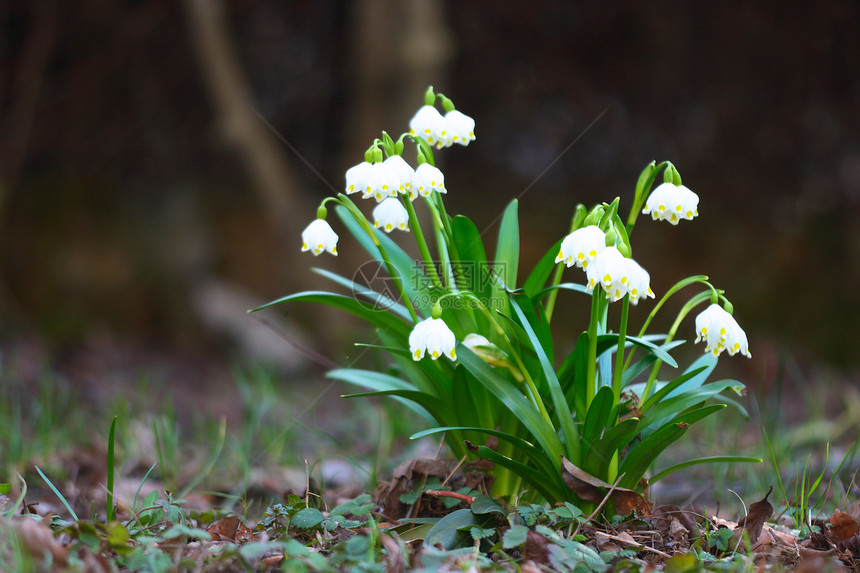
(392, 270)
(678, 286)
(692, 303)
(422, 243)
(534, 395)
(591, 373)
(575, 223)
(619, 354)
(643, 189)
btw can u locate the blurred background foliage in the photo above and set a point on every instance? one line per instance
(144, 198)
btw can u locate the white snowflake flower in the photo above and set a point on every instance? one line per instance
(720, 331)
(318, 237)
(383, 182)
(618, 276)
(358, 177)
(433, 336)
(429, 124)
(460, 128)
(403, 170)
(581, 246)
(670, 202)
(426, 180)
(390, 215)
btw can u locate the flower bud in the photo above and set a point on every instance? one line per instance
(436, 311)
(429, 96)
(595, 216)
(612, 238)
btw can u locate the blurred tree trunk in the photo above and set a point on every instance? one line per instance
(400, 47)
(285, 206)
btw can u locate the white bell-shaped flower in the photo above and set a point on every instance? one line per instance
(383, 182)
(318, 237)
(720, 331)
(390, 215)
(358, 178)
(639, 282)
(460, 128)
(433, 336)
(426, 180)
(618, 276)
(670, 202)
(581, 246)
(429, 124)
(403, 170)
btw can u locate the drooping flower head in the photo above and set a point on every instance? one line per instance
(383, 182)
(720, 331)
(429, 124)
(403, 170)
(433, 336)
(358, 178)
(670, 202)
(318, 237)
(460, 128)
(390, 215)
(618, 276)
(426, 180)
(581, 246)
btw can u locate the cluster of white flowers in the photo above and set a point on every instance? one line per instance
(618, 275)
(442, 131)
(386, 180)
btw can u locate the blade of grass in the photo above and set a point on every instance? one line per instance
(58, 494)
(110, 470)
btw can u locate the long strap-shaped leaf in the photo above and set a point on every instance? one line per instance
(349, 304)
(559, 402)
(514, 400)
(532, 451)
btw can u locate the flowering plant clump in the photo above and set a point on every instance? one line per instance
(566, 427)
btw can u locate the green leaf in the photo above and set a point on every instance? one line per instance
(413, 279)
(541, 272)
(384, 384)
(362, 310)
(640, 457)
(515, 536)
(448, 533)
(706, 460)
(507, 256)
(546, 484)
(483, 505)
(5, 488)
(511, 396)
(597, 418)
(529, 449)
(473, 257)
(559, 402)
(377, 300)
(307, 518)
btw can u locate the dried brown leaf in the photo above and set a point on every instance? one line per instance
(758, 514)
(536, 548)
(844, 526)
(594, 490)
(230, 528)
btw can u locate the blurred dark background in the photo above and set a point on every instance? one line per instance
(145, 203)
